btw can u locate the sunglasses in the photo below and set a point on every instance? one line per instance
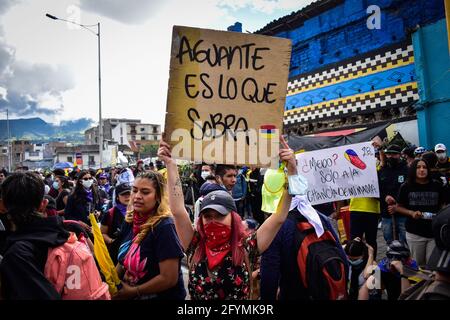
(86, 179)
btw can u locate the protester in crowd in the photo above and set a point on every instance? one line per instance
(240, 191)
(112, 221)
(432, 160)
(390, 177)
(408, 155)
(281, 277)
(139, 168)
(226, 176)
(150, 254)
(443, 160)
(207, 187)
(22, 267)
(364, 217)
(438, 288)
(419, 199)
(151, 167)
(255, 182)
(361, 259)
(83, 200)
(219, 265)
(389, 274)
(418, 152)
(3, 175)
(61, 184)
(103, 183)
(5, 226)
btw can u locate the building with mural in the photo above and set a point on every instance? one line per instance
(353, 64)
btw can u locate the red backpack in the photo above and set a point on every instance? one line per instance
(72, 270)
(321, 264)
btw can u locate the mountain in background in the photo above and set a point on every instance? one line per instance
(37, 130)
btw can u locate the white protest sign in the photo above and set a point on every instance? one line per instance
(340, 173)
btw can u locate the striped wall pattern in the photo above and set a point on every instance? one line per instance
(378, 80)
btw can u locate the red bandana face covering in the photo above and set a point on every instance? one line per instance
(139, 220)
(218, 238)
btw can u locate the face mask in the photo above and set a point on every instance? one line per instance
(87, 183)
(356, 263)
(205, 174)
(441, 155)
(55, 185)
(218, 236)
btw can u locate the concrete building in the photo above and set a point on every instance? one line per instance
(353, 63)
(89, 155)
(91, 135)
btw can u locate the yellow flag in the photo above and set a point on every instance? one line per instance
(103, 258)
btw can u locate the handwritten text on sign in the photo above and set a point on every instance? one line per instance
(226, 96)
(340, 173)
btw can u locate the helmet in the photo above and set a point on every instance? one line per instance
(397, 250)
(419, 150)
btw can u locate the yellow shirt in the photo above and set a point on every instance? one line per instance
(365, 205)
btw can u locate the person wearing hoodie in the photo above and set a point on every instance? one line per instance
(32, 234)
(83, 200)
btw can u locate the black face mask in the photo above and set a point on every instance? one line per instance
(392, 162)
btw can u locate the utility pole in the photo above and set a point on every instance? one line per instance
(9, 140)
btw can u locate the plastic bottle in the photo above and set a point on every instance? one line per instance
(427, 215)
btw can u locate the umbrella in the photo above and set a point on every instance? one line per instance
(63, 165)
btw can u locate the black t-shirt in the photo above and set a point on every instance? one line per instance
(141, 262)
(60, 199)
(390, 179)
(424, 198)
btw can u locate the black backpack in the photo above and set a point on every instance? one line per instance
(321, 263)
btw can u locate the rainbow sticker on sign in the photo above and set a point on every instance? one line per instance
(353, 158)
(267, 131)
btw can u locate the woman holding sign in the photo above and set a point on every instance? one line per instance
(420, 198)
(220, 252)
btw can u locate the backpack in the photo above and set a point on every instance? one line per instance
(321, 264)
(240, 188)
(72, 270)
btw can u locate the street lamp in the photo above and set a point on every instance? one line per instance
(100, 124)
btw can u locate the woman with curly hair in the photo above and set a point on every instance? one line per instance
(150, 254)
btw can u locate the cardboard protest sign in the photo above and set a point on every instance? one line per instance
(226, 96)
(340, 173)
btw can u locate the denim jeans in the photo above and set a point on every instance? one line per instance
(400, 231)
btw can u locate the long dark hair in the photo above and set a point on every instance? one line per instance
(64, 182)
(79, 192)
(412, 172)
(22, 195)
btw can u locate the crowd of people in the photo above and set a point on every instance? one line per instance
(242, 232)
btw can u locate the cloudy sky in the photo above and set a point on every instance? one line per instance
(49, 68)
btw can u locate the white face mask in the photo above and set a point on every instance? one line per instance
(88, 183)
(441, 155)
(205, 174)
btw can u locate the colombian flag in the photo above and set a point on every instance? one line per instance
(267, 131)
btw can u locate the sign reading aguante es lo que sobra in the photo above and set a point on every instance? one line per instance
(226, 96)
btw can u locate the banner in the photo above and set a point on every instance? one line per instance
(226, 96)
(340, 173)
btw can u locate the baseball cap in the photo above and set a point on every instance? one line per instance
(440, 257)
(440, 147)
(103, 176)
(419, 150)
(219, 200)
(393, 149)
(123, 188)
(397, 249)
